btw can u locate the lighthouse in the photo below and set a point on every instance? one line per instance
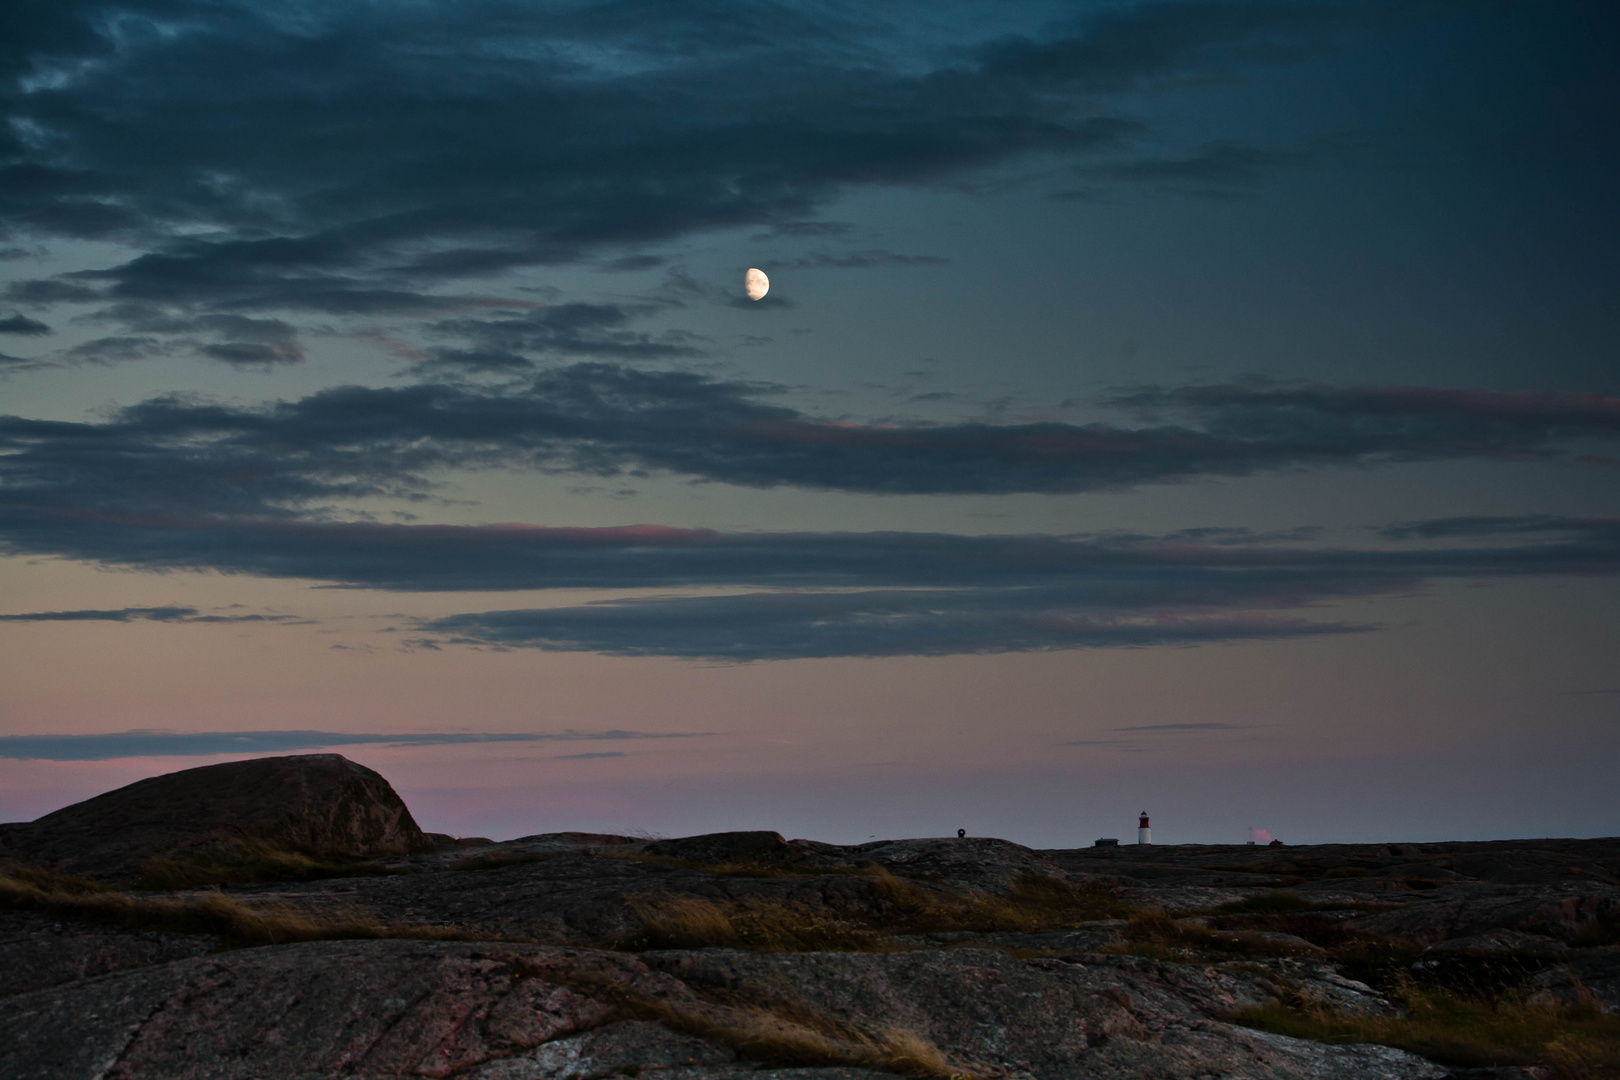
(1144, 834)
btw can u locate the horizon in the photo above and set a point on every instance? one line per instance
(1211, 407)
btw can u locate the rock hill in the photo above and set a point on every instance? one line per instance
(313, 804)
(745, 955)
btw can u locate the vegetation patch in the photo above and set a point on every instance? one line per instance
(1276, 903)
(49, 880)
(1577, 1042)
(253, 862)
(778, 1034)
(902, 908)
(1393, 966)
(1034, 902)
(209, 913)
(689, 922)
(1601, 933)
(1154, 933)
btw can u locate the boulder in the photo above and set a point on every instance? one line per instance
(314, 804)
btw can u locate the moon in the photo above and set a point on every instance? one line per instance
(756, 284)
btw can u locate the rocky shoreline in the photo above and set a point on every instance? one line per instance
(574, 956)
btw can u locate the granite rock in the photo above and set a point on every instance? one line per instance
(316, 804)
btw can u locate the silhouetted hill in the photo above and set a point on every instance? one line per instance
(313, 804)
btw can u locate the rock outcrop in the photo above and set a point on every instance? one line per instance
(502, 1012)
(575, 956)
(314, 804)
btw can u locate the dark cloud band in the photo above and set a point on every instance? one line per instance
(138, 614)
(122, 744)
(799, 625)
(1115, 592)
(193, 464)
(867, 594)
(237, 152)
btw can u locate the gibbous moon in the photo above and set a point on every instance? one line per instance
(756, 284)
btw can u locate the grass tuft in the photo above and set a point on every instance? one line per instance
(1152, 932)
(780, 1034)
(254, 862)
(1033, 902)
(689, 922)
(49, 880)
(209, 913)
(1577, 1042)
(761, 925)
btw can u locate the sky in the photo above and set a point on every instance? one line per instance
(1203, 408)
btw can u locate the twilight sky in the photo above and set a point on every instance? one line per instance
(1210, 408)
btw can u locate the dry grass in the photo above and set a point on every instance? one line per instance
(254, 862)
(49, 880)
(1601, 933)
(1275, 903)
(689, 922)
(1577, 1042)
(1032, 903)
(1154, 933)
(209, 913)
(905, 907)
(781, 1034)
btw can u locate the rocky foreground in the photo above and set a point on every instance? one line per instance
(578, 956)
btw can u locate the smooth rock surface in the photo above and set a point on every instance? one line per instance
(399, 1008)
(40, 951)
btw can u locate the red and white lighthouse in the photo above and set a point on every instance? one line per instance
(1144, 834)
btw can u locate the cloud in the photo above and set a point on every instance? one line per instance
(252, 354)
(117, 348)
(577, 329)
(1221, 168)
(827, 594)
(145, 743)
(352, 159)
(808, 228)
(179, 456)
(141, 614)
(9, 363)
(862, 260)
(239, 339)
(1171, 728)
(22, 324)
(633, 262)
(1479, 527)
(588, 757)
(795, 625)
(1019, 594)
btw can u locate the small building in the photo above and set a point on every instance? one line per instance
(1105, 843)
